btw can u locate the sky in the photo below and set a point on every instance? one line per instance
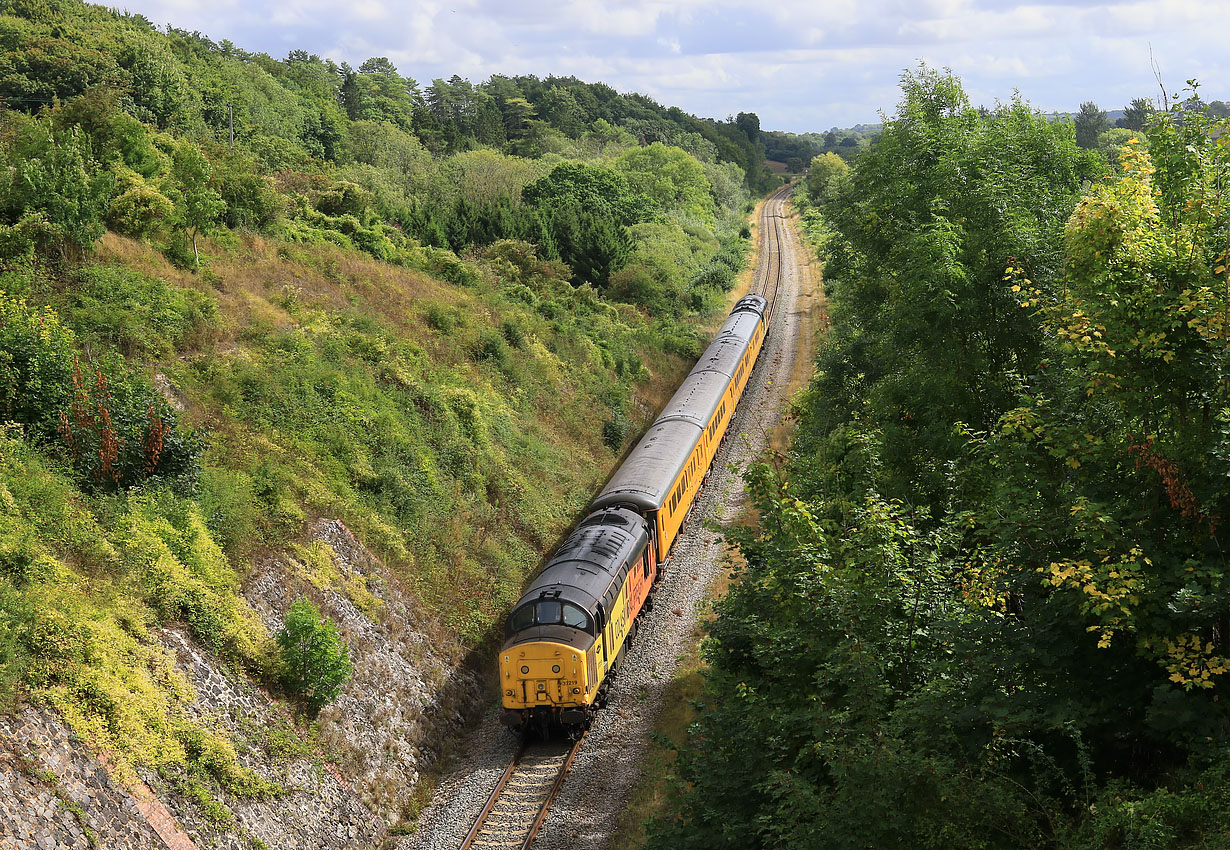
(801, 65)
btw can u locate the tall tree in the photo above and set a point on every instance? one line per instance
(1090, 123)
(1136, 113)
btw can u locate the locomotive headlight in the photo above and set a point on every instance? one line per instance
(576, 690)
(525, 669)
(554, 668)
(508, 692)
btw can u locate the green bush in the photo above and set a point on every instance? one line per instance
(36, 364)
(614, 430)
(135, 313)
(139, 211)
(115, 429)
(315, 661)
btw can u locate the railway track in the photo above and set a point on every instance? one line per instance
(519, 803)
(772, 244)
(516, 808)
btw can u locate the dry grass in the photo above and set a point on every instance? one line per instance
(814, 320)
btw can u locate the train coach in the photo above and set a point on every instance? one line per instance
(568, 632)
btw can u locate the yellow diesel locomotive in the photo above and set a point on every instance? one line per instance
(567, 634)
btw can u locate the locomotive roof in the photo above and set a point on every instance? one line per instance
(754, 303)
(586, 564)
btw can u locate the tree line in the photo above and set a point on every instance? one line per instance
(985, 603)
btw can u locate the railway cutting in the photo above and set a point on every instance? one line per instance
(589, 786)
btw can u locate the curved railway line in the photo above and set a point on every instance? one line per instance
(518, 805)
(768, 279)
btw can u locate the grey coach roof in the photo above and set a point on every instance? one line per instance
(645, 477)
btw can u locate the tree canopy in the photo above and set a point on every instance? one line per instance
(984, 604)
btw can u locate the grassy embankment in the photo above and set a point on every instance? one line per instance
(456, 429)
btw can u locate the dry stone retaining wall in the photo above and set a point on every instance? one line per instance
(316, 811)
(411, 690)
(55, 794)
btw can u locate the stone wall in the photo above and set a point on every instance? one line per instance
(55, 794)
(343, 785)
(410, 689)
(318, 810)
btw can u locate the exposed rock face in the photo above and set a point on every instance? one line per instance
(54, 793)
(318, 809)
(410, 691)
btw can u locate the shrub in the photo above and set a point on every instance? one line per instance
(440, 318)
(614, 430)
(36, 364)
(139, 211)
(490, 347)
(315, 661)
(137, 314)
(513, 334)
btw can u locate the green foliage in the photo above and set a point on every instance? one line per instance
(36, 364)
(1090, 123)
(600, 191)
(672, 180)
(197, 205)
(930, 217)
(139, 211)
(138, 315)
(825, 168)
(1136, 114)
(315, 662)
(51, 179)
(80, 594)
(112, 426)
(1016, 638)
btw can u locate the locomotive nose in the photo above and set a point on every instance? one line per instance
(539, 674)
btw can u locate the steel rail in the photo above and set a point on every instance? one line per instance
(769, 271)
(520, 822)
(768, 277)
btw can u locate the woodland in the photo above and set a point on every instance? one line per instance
(985, 602)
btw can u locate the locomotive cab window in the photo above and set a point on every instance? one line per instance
(549, 612)
(575, 617)
(523, 618)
